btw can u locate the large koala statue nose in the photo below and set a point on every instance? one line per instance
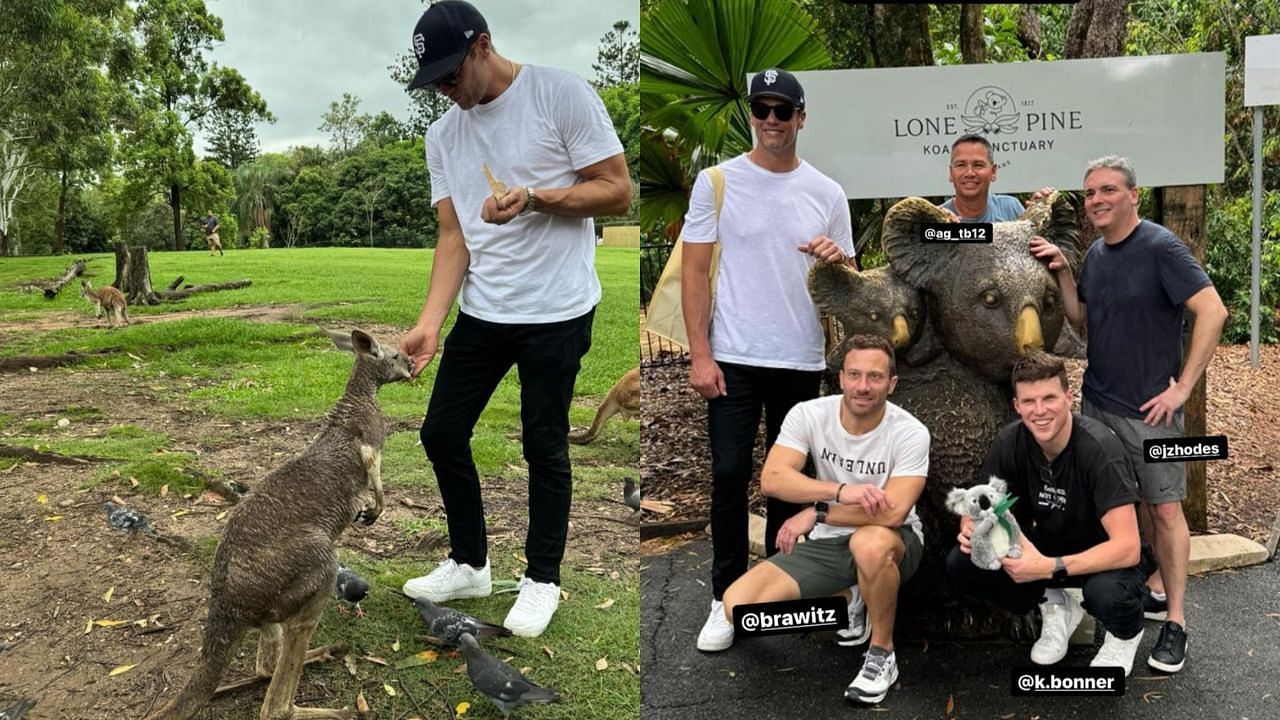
(983, 502)
(1028, 334)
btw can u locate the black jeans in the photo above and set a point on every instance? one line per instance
(477, 354)
(1113, 597)
(733, 421)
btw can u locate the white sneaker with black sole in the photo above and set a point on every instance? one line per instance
(879, 673)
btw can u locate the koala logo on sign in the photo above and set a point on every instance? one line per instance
(770, 77)
(419, 45)
(990, 109)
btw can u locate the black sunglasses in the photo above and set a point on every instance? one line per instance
(783, 112)
(451, 79)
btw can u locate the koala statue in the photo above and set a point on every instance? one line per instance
(995, 532)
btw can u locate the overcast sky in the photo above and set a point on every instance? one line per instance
(301, 55)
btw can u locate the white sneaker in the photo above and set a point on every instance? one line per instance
(451, 581)
(1117, 653)
(1059, 621)
(859, 629)
(533, 609)
(717, 631)
(879, 673)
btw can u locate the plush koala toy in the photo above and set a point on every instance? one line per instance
(995, 531)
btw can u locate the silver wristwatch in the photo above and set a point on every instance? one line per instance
(528, 205)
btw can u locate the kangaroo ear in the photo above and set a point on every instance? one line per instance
(341, 340)
(956, 501)
(364, 343)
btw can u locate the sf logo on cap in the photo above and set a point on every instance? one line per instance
(770, 77)
(419, 45)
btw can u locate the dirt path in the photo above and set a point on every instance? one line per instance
(47, 322)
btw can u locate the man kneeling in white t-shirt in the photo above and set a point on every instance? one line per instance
(871, 459)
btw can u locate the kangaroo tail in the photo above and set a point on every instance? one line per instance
(221, 636)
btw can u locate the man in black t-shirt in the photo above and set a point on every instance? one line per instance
(1076, 503)
(1134, 285)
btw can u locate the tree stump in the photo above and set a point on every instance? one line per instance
(137, 279)
(122, 262)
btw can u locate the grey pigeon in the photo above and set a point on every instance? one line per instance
(631, 494)
(350, 588)
(127, 519)
(500, 682)
(449, 625)
(15, 709)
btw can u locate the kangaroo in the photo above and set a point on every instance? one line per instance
(109, 299)
(276, 565)
(623, 398)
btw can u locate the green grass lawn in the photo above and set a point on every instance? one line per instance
(244, 369)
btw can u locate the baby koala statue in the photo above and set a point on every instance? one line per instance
(995, 530)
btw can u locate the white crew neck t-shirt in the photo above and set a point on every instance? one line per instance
(763, 314)
(898, 446)
(539, 132)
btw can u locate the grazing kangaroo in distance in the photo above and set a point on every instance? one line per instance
(276, 565)
(107, 299)
(623, 398)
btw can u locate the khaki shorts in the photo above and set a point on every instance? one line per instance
(825, 566)
(1157, 482)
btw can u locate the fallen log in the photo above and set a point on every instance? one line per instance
(174, 285)
(76, 269)
(211, 287)
(48, 457)
(25, 362)
(649, 531)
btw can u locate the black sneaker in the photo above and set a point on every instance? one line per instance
(1170, 650)
(1154, 609)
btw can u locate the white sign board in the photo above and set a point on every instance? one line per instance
(888, 132)
(1261, 70)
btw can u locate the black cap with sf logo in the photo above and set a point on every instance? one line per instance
(778, 83)
(444, 34)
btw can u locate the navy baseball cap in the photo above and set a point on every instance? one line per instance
(444, 34)
(777, 83)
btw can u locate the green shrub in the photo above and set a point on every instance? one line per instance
(1228, 260)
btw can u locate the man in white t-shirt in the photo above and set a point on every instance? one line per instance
(761, 350)
(871, 458)
(521, 264)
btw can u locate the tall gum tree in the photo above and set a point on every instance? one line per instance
(176, 91)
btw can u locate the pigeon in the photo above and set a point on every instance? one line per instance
(351, 589)
(631, 494)
(500, 682)
(449, 625)
(16, 709)
(127, 519)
